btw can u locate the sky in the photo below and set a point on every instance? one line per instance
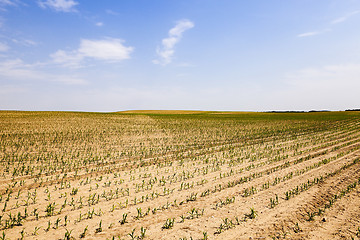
(230, 55)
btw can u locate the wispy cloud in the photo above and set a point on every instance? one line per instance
(345, 17)
(59, 5)
(99, 24)
(330, 87)
(110, 49)
(67, 59)
(7, 3)
(308, 34)
(313, 33)
(111, 12)
(185, 65)
(166, 51)
(335, 21)
(3, 47)
(330, 76)
(24, 42)
(17, 69)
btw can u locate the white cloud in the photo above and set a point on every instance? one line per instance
(185, 65)
(59, 5)
(25, 42)
(344, 18)
(111, 12)
(18, 70)
(330, 87)
(72, 59)
(308, 34)
(331, 76)
(167, 51)
(3, 47)
(336, 21)
(111, 50)
(99, 24)
(314, 33)
(69, 80)
(7, 2)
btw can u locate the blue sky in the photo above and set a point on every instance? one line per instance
(248, 55)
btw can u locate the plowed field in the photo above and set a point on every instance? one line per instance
(169, 175)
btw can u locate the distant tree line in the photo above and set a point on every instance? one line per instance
(299, 111)
(352, 110)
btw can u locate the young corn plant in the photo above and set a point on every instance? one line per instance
(169, 223)
(192, 197)
(56, 225)
(358, 232)
(36, 229)
(132, 234)
(225, 225)
(274, 202)
(50, 209)
(48, 227)
(66, 220)
(68, 235)
(183, 217)
(99, 229)
(297, 228)
(140, 214)
(205, 236)
(83, 234)
(22, 233)
(311, 216)
(142, 233)
(252, 214)
(123, 220)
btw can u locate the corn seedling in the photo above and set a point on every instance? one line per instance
(142, 233)
(83, 234)
(132, 234)
(297, 228)
(311, 216)
(169, 223)
(48, 227)
(99, 229)
(123, 220)
(252, 214)
(36, 229)
(205, 236)
(274, 202)
(68, 235)
(22, 234)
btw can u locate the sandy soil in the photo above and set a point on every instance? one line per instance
(208, 192)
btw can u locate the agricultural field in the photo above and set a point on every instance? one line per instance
(179, 175)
